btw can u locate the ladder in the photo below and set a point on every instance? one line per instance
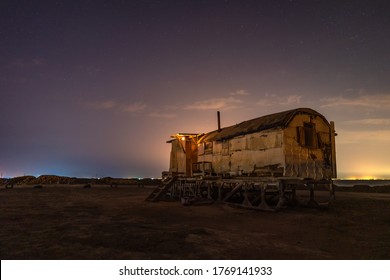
(161, 190)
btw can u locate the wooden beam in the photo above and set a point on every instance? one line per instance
(333, 145)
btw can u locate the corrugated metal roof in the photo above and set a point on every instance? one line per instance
(273, 121)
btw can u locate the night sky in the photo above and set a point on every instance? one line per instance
(96, 88)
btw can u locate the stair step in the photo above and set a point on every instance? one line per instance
(161, 190)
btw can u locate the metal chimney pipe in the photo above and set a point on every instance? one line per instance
(219, 120)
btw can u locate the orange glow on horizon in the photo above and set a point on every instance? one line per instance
(377, 175)
(367, 171)
(365, 177)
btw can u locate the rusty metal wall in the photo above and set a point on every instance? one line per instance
(308, 162)
(243, 154)
(283, 152)
(278, 149)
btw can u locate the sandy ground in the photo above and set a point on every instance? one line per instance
(59, 222)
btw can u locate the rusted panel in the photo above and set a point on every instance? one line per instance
(241, 155)
(307, 156)
(178, 158)
(238, 143)
(264, 141)
(247, 161)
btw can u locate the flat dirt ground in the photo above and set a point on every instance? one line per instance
(70, 222)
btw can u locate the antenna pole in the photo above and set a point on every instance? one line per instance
(219, 120)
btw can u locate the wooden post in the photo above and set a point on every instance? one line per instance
(312, 202)
(219, 191)
(263, 204)
(209, 191)
(282, 203)
(246, 201)
(333, 144)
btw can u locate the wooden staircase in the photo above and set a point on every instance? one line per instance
(161, 190)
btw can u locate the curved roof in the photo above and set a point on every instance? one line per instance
(273, 121)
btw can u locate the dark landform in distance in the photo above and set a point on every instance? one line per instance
(381, 186)
(63, 180)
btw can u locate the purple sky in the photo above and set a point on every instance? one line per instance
(95, 88)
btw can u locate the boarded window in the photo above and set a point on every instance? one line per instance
(307, 136)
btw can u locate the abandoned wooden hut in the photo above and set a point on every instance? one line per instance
(295, 143)
(254, 164)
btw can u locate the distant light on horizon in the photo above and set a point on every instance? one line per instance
(360, 175)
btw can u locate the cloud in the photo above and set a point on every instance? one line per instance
(162, 115)
(273, 99)
(107, 104)
(24, 64)
(291, 99)
(240, 92)
(364, 101)
(372, 121)
(135, 107)
(37, 61)
(90, 70)
(214, 104)
(113, 105)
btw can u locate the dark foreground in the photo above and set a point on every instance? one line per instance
(115, 223)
